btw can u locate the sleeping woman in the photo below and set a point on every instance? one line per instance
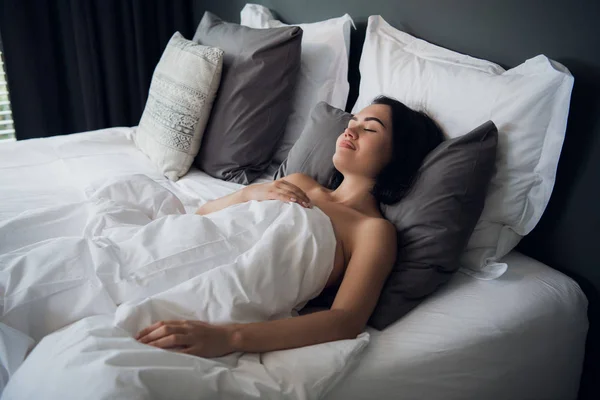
(376, 158)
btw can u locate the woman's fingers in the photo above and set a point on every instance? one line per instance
(160, 329)
(184, 350)
(154, 326)
(298, 193)
(289, 196)
(148, 329)
(277, 190)
(295, 189)
(174, 340)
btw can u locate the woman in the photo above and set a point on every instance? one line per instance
(376, 158)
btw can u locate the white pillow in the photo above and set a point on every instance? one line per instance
(529, 104)
(183, 88)
(323, 72)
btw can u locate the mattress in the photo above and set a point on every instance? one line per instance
(521, 336)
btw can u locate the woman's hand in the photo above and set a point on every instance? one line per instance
(277, 190)
(280, 189)
(190, 337)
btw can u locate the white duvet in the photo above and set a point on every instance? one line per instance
(84, 278)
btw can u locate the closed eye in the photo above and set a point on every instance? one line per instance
(353, 118)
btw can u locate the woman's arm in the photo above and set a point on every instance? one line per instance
(223, 202)
(369, 266)
(318, 327)
(280, 189)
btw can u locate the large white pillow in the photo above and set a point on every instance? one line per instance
(183, 88)
(323, 72)
(529, 104)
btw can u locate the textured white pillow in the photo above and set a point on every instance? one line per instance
(529, 104)
(183, 88)
(323, 72)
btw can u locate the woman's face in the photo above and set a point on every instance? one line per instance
(365, 147)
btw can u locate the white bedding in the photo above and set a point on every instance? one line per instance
(520, 336)
(129, 256)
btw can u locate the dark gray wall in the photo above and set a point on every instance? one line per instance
(506, 32)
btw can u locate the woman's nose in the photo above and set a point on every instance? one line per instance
(350, 132)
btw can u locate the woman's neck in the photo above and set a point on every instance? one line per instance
(355, 192)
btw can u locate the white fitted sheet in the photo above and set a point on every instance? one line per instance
(519, 336)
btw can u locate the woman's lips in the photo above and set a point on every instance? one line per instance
(347, 144)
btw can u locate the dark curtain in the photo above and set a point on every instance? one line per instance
(79, 65)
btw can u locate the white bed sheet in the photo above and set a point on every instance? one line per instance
(520, 336)
(44, 172)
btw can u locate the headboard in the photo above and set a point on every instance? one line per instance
(506, 32)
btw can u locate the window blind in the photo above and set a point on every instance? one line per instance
(7, 128)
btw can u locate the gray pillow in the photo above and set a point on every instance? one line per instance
(434, 220)
(260, 68)
(313, 151)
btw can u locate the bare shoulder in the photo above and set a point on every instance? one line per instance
(303, 181)
(377, 227)
(376, 234)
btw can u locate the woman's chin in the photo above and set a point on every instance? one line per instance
(338, 158)
(342, 159)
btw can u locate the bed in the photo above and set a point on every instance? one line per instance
(519, 336)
